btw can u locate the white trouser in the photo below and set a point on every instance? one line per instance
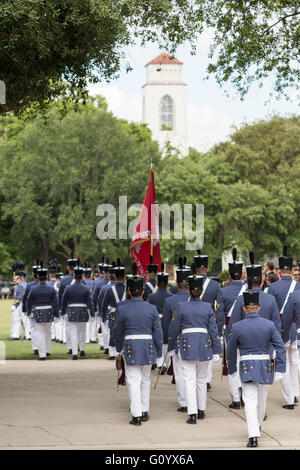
(44, 338)
(25, 325)
(255, 398)
(58, 324)
(209, 372)
(16, 321)
(180, 384)
(138, 380)
(112, 351)
(78, 334)
(93, 329)
(234, 383)
(34, 334)
(105, 334)
(66, 332)
(195, 375)
(290, 380)
(99, 335)
(164, 360)
(53, 331)
(88, 331)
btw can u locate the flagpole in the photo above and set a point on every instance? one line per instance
(151, 243)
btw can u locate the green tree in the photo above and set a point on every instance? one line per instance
(50, 48)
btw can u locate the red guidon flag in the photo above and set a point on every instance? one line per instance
(145, 240)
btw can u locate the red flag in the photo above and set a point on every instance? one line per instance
(145, 240)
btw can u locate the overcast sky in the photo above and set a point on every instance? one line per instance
(211, 114)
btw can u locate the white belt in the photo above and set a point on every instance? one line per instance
(138, 337)
(43, 307)
(194, 330)
(298, 330)
(254, 357)
(161, 315)
(77, 305)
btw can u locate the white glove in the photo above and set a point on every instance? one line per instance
(171, 353)
(13, 308)
(31, 316)
(215, 358)
(278, 376)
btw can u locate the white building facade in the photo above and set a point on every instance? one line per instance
(165, 103)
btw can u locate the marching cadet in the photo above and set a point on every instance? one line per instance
(20, 286)
(158, 299)
(268, 310)
(169, 307)
(254, 336)
(91, 324)
(212, 294)
(150, 286)
(104, 319)
(77, 305)
(52, 270)
(65, 281)
(138, 336)
(59, 322)
(281, 291)
(101, 281)
(42, 304)
(194, 323)
(229, 295)
(115, 293)
(32, 323)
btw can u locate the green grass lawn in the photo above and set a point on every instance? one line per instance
(22, 349)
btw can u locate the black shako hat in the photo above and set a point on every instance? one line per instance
(254, 271)
(201, 261)
(162, 277)
(119, 270)
(250, 297)
(18, 268)
(236, 267)
(195, 282)
(53, 266)
(42, 272)
(100, 265)
(284, 261)
(36, 266)
(78, 270)
(72, 262)
(134, 283)
(152, 268)
(183, 272)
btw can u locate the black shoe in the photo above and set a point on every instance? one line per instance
(70, 351)
(42, 358)
(288, 407)
(201, 414)
(111, 358)
(182, 409)
(235, 405)
(35, 352)
(208, 386)
(153, 366)
(61, 341)
(93, 342)
(252, 442)
(145, 416)
(10, 338)
(136, 421)
(265, 418)
(101, 348)
(191, 419)
(74, 357)
(163, 370)
(295, 400)
(48, 354)
(105, 351)
(82, 354)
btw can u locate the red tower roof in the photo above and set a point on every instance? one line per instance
(164, 58)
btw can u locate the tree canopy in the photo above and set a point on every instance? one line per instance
(55, 175)
(53, 48)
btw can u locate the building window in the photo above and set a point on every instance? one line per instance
(166, 113)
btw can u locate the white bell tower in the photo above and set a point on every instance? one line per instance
(165, 104)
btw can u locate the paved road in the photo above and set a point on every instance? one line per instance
(63, 404)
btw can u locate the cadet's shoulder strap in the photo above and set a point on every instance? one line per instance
(206, 282)
(154, 289)
(291, 289)
(243, 288)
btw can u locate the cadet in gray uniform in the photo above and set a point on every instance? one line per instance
(194, 322)
(138, 336)
(254, 336)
